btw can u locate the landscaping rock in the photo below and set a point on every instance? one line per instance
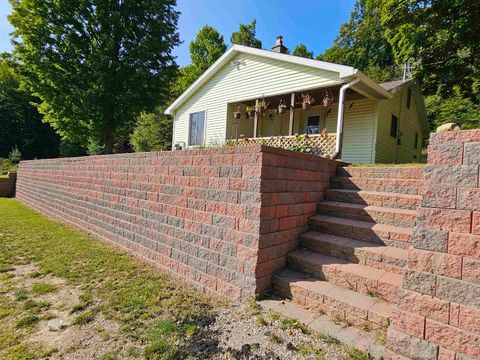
(55, 324)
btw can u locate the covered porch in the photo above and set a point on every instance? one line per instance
(307, 121)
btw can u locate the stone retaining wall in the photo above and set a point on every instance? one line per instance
(438, 315)
(223, 219)
(7, 185)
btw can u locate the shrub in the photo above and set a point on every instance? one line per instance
(15, 156)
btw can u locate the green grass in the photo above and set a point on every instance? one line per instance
(385, 165)
(124, 288)
(43, 288)
(85, 318)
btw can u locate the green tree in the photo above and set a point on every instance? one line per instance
(443, 37)
(246, 35)
(301, 50)
(207, 47)
(361, 43)
(96, 64)
(153, 132)
(20, 123)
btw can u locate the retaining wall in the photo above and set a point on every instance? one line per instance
(438, 315)
(223, 219)
(7, 185)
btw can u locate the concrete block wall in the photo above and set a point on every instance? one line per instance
(223, 219)
(438, 314)
(7, 185)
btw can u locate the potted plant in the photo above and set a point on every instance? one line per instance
(282, 107)
(250, 111)
(307, 101)
(262, 107)
(327, 99)
(237, 114)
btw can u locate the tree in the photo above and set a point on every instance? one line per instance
(443, 38)
(96, 64)
(20, 123)
(207, 47)
(301, 50)
(362, 44)
(153, 132)
(246, 35)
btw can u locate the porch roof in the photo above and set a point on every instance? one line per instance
(365, 86)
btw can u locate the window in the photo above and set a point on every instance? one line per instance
(409, 98)
(197, 128)
(415, 145)
(313, 124)
(394, 126)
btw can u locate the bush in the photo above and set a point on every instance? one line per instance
(15, 155)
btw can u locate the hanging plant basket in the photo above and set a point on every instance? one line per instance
(327, 99)
(237, 114)
(307, 101)
(282, 107)
(250, 112)
(262, 108)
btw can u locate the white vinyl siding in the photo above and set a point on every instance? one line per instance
(252, 78)
(386, 149)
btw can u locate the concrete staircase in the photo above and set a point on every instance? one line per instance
(351, 264)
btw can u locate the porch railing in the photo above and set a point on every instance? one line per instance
(317, 144)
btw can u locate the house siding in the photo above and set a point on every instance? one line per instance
(253, 78)
(386, 149)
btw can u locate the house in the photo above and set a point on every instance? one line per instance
(351, 117)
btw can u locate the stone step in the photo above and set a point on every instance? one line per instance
(373, 255)
(396, 236)
(401, 186)
(360, 278)
(368, 213)
(391, 172)
(374, 198)
(340, 304)
(348, 335)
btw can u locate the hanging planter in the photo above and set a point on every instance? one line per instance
(250, 112)
(282, 107)
(307, 101)
(237, 114)
(327, 99)
(262, 108)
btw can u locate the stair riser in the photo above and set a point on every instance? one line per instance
(410, 187)
(390, 201)
(333, 308)
(335, 275)
(398, 240)
(369, 215)
(412, 173)
(358, 256)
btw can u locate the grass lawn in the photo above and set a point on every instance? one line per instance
(113, 306)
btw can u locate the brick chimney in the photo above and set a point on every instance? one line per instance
(279, 47)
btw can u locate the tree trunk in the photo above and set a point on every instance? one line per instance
(109, 139)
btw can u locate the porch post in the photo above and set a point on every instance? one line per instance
(255, 120)
(292, 113)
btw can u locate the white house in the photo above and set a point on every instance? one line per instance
(350, 117)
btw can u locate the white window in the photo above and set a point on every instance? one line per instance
(197, 129)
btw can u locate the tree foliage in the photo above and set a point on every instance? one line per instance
(153, 132)
(301, 50)
(246, 35)
(207, 47)
(21, 125)
(361, 43)
(95, 64)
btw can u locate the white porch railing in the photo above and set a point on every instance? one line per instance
(318, 144)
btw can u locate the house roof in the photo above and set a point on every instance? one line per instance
(365, 86)
(392, 85)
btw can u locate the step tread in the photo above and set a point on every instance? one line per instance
(379, 179)
(325, 288)
(362, 224)
(378, 249)
(376, 193)
(369, 207)
(363, 271)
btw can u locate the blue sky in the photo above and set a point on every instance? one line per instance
(312, 22)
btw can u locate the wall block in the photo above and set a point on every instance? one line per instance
(223, 219)
(438, 314)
